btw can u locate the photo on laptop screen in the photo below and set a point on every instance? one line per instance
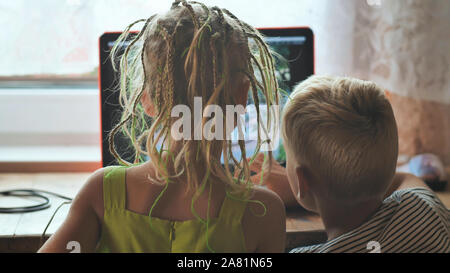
(294, 56)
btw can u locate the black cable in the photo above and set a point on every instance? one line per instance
(29, 193)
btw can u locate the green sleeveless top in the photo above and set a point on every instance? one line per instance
(126, 231)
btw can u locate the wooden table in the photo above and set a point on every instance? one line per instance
(22, 232)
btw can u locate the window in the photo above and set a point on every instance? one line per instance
(48, 72)
(60, 37)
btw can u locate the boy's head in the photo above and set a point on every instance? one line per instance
(341, 141)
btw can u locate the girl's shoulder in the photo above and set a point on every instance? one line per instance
(259, 200)
(91, 193)
(271, 201)
(265, 214)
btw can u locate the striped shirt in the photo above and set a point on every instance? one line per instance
(408, 221)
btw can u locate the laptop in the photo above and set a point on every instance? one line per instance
(295, 44)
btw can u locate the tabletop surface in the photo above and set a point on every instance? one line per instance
(300, 224)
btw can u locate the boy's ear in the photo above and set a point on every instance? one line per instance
(303, 181)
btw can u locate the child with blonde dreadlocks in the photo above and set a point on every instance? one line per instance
(183, 199)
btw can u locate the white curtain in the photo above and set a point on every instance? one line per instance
(404, 45)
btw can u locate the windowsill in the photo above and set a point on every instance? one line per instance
(49, 158)
(47, 129)
(50, 154)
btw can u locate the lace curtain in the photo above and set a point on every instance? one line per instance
(404, 46)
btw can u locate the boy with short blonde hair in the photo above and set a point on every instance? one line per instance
(344, 130)
(341, 145)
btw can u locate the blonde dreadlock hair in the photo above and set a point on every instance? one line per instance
(191, 51)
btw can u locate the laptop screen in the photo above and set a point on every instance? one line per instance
(294, 45)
